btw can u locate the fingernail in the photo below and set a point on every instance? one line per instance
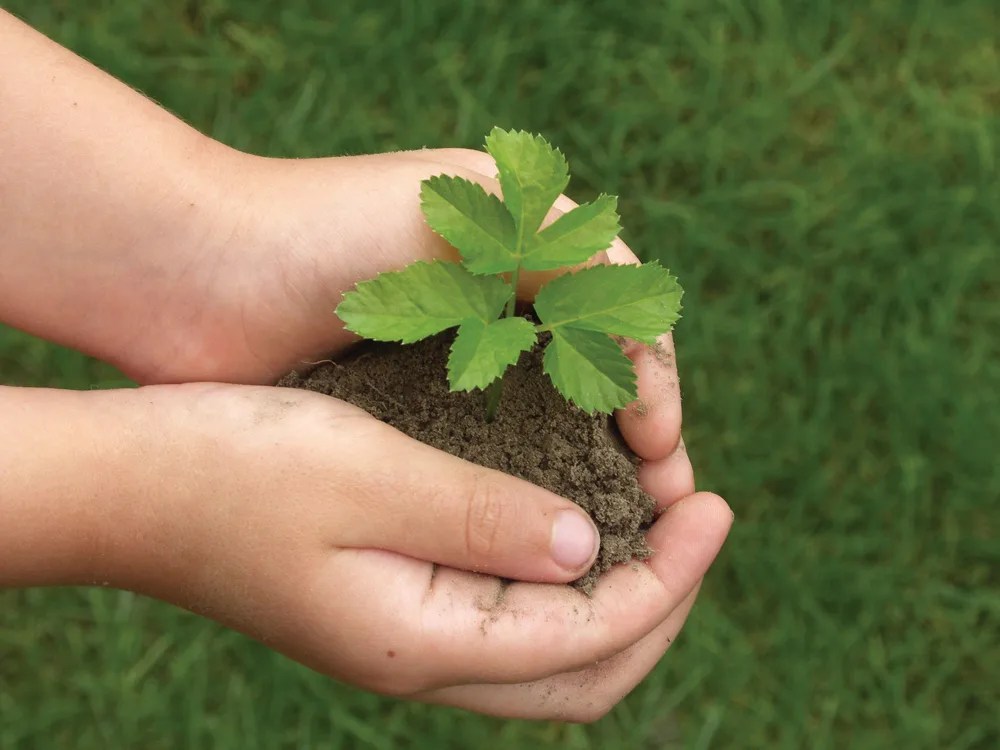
(574, 539)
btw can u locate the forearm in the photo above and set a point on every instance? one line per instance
(64, 472)
(103, 198)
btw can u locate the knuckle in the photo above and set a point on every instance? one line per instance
(486, 514)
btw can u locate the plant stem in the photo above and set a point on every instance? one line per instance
(493, 393)
(512, 302)
(495, 389)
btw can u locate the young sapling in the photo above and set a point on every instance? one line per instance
(497, 240)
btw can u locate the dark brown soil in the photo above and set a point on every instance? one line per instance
(536, 435)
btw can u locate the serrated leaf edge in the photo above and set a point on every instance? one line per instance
(631, 393)
(361, 285)
(547, 326)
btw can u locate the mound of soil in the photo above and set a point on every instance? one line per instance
(536, 435)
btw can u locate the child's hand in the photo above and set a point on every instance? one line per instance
(307, 524)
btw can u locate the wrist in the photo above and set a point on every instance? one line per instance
(64, 480)
(142, 531)
(185, 283)
(215, 292)
(160, 530)
(108, 206)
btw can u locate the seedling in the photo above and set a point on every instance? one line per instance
(497, 240)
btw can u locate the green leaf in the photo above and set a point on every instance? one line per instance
(589, 369)
(472, 220)
(421, 300)
(483, 351)
(532, 175)
(575, 236)
(641, 302)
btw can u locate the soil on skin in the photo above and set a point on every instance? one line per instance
(536, 435)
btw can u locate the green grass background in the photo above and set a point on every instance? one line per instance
(823, 177)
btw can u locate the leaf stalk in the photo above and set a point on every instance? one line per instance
(495, 389)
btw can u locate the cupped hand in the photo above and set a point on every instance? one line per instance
(333, 538)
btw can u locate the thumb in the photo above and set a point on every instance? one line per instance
(436, 507)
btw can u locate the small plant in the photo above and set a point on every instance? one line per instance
(582, 310)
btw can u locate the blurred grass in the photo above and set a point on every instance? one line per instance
(823, 177)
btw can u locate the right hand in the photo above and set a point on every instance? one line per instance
(307, 524)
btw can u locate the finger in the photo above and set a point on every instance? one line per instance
(651, 424)
(429, 505)
(581, 696)
(668, 479)
(480, 631)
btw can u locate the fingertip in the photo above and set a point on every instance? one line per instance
(709, 511)
(651, 425)
(651, 430)
(620, 253)
(575, 542)
(715, 507)
(687, 537)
